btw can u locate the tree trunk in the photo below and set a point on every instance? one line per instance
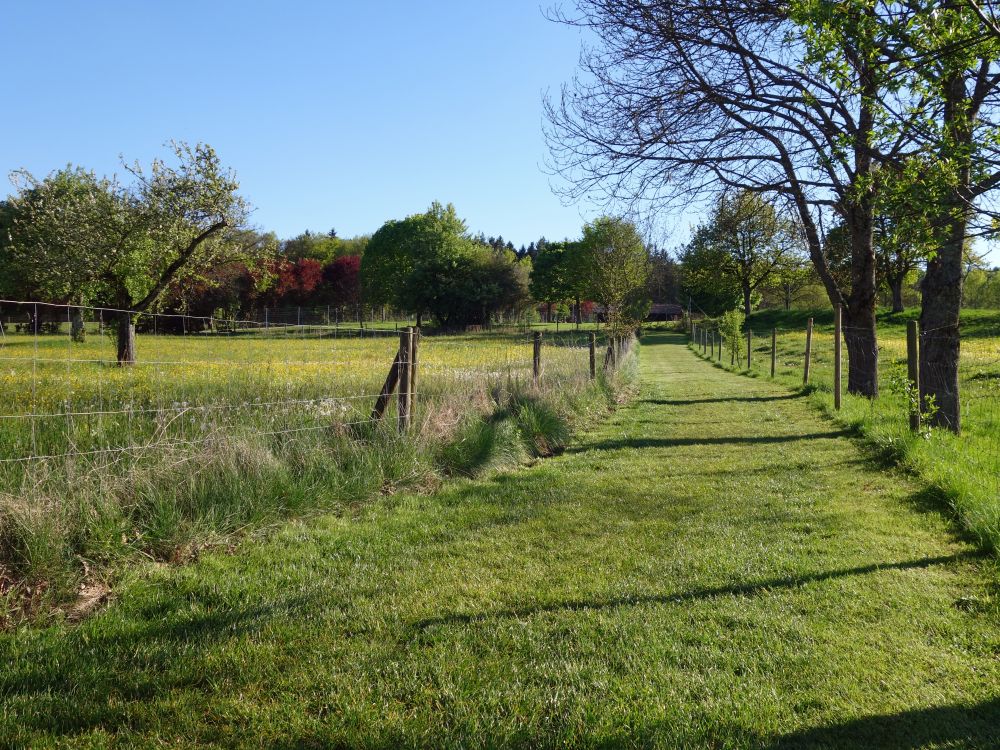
(126, 339)
(862, 352)
(939, 338)
(942, 286)
(746, 300)
(77, 330)
(896, 287)
(860, 333)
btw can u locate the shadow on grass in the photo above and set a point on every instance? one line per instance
(739, 589)
(70, 685)
(692, 401)
(610, 445)
(955, 726)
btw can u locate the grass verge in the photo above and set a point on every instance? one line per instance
(68, 530)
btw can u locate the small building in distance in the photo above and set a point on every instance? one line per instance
(664, 311)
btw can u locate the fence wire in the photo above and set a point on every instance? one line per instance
(67, 403)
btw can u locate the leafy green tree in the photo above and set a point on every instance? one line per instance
(97, 240)
(712, 292)
(427, 264)
(748, 242)
(617, 265)
(559, 273)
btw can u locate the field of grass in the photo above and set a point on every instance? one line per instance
(212, 433)
(716, 565)
(966, 468)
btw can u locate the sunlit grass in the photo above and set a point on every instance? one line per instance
(210, 433)
(967, 467)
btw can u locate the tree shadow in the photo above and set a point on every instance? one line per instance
(609, 445)
(732, 399)
(74, 676)
(737, 589)
(953, 726)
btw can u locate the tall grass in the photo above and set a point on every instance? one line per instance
(210, 437)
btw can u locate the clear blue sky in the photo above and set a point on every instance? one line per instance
(333, 114)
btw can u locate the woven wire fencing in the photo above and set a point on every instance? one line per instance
(967, 465)
(68, 407)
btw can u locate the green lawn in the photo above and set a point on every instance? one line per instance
(965, 468)
(715, 566)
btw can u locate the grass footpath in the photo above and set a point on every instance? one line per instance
(715, 566)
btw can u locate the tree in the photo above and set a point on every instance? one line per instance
(664, 277)
(752, 241)
(954, 52)
(794, 278)
(681, 99)
(342, 280)
(617, 266)
(712, 292)
(559, 274)
(95, 239)
(898, 254)
(297, 281)
(427, 264)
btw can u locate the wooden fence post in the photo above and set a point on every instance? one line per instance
(593, 355)
(913, 372)
(414, 356)
(387, 390)
(694, 333)
(405, 359)
(749, 346)
(536, 365)
(838, 330)
(809, 344)
(774, 349)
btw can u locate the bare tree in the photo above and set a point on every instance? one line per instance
(684, 98)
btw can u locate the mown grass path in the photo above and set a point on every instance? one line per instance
(715, 566)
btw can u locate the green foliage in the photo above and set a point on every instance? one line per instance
(731, 331)
(87, 239)
(324, 248)
(427, 263)
(744, 246)
(616, 262)
(560, 273)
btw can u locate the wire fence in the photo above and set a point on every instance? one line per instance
(67, 404)
(968, 463)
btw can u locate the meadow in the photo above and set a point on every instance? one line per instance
(965, 467)
(213, 433)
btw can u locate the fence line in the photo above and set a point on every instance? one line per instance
(65, 397)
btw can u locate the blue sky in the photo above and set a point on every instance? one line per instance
(333, 114)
